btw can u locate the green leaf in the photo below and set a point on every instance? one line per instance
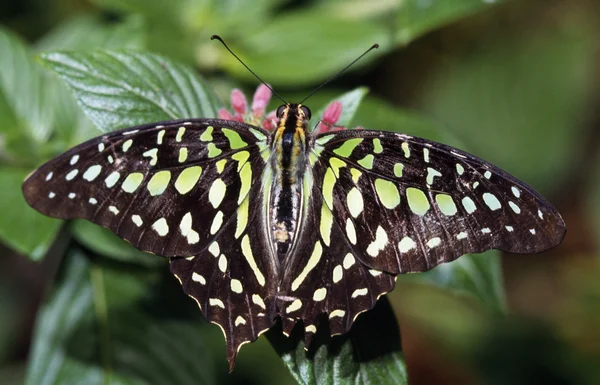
(108, 244)
(416, 17)
(22, 228)
(118, 89)
(479, 275)
(85, 32)
(25, 102)
(370, 353)
(108, 326)
(283, 53)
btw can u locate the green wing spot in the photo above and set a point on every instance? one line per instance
(159, 182)
(446, 204)
(235, 140)
(324, 139)
(417, 201)
(367, 161)
(398, 169)
(246, 179)
(355, 175)
(377, 148)
(132, 182)
(326, 223)
(213, 150)
(207, 134)
(328, 183)
(241, 157)
(345, 150)
(387, 192)
(188, 179)
(336, 164)
(259, 135)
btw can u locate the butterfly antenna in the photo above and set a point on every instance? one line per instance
(374, 46)
(217, 37)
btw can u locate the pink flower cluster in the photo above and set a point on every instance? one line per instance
(261, 99)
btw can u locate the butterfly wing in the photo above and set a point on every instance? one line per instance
(191, 190)
(391, 204)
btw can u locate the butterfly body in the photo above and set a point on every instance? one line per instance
(288, 161)
(289, 224)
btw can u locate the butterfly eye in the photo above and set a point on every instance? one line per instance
(280, 111)
(306, 111)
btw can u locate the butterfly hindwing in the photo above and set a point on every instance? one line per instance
(167, 187)
(233, 282)
(323, 275)
(412, 204)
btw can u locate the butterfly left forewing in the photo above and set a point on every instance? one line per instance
(167, 187)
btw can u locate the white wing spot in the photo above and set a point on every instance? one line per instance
(491, 201)
(350, 231)
(71, 195)
(198, 278)
(469, 205)
(320, 294)
(217, 192)
(217, 222)
(160, 136)
(216, 302)
(51, 195)
(236, 286)
(223, 263)
(161, 227)
(540, 214)
(49, 176)
(486, 230)
(514, 207)
(406, 244)
(113, 209)
(257, 300)
(462, 235)
(74, 160)
(359, 292)
(100, 147)
(92, 172)
(381, 240)
(337, 313)
(185, 227)
(426, 155)
(487, 175)
(434, 242)
(510, 229)
(355, 202)
(137, 220)
(460, 169)
(240, 321)
(214, 249)
(431, 174)
(348, 261)
(532, 231)
(72, 174)
(297, 304)
(93, 201)
(338, 273)
(112, 179)
(516, 192)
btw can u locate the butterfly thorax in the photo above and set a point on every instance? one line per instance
(289, 164)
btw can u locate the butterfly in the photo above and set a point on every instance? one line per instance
(291, 223)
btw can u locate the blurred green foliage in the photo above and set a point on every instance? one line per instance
(517, 90)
